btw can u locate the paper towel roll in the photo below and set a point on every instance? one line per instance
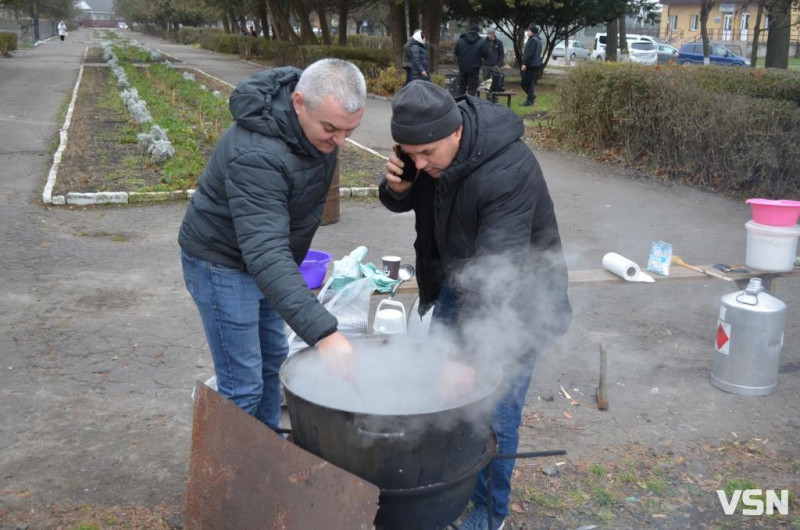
(624, 268)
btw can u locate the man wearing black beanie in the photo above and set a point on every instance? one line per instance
(479, 197)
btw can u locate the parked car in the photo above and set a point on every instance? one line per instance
(692, 53)
(600, 39)
(666, 53)
(643, 52)
(122, 25)
(640, 52)
(576, 50)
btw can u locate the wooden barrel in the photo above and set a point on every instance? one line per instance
(330, 214)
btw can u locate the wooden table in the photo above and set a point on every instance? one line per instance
(492, 96)
(597, 277)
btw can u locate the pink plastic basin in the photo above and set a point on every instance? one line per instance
(774, 213)
(314, 267)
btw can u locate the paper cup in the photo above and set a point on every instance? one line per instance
(391, 266)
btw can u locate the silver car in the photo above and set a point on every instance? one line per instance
(643, 52)
(666, 53)
(576, 50)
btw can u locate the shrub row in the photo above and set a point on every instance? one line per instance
(8, 42)
(668, 118)
(370, 58)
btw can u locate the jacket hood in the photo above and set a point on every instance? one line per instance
(471, 36)
(488, 129)
(263, 104)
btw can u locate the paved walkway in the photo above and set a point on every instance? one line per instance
(101, 344)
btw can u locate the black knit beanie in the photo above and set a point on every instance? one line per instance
(423, 113)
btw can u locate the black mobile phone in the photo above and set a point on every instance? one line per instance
(409, 168)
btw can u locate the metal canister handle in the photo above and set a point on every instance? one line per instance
(372, 434)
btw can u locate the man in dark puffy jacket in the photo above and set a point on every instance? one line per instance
(470, 53)
(415, 58)
(488, 250)
(531, 64)
(250, 223)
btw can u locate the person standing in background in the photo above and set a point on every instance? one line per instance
(495, 54)
(62, 30)
(415, 58)
(470, 53)
(531, 64)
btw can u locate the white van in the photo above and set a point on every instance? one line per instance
(600, 40)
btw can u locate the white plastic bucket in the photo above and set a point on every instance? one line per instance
(771, 248)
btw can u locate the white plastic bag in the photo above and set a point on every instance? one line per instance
(350, 306)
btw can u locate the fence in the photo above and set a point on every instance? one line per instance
(25, 32)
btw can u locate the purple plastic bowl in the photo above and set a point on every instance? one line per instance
(315, 267)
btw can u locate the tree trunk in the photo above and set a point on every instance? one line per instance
(280, 23)
(431, 24)
(623, 35)
(612, 31)
(397, 25)
(344, 14)
(756, 34)
(306, 31)
(324, 28)
(778, 36)
(226, 24)
(705, 9)
(263, 18)
(35, 18)
(413, 16)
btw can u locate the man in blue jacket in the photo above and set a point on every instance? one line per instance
(258, 203)
(488, 249)
(531, 64)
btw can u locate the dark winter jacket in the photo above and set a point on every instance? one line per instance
(492, 200)
(418, 54)
(495, 55)
(259, 200)
(470, 52)
(532, 54)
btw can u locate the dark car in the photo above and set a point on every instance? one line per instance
(692, 53)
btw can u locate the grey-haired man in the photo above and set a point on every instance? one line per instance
(250, 223)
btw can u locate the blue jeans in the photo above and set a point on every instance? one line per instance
(506, 418)
(245, 334)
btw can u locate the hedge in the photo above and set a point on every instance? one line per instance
(688, 123)
(8, 43)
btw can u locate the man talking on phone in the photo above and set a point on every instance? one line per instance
(478, 194)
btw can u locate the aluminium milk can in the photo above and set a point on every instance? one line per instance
(748, 341)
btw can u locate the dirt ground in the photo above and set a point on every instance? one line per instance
(101, 346)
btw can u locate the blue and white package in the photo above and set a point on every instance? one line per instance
(660, 258)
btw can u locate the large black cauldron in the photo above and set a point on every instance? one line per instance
(391, 427)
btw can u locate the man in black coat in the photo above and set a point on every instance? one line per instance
(495, 54)
(251, 220)
(531, 64)
(470, 53)
(488, 252)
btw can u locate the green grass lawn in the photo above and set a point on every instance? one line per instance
(794, 63)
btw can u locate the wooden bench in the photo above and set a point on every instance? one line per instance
(491, 96)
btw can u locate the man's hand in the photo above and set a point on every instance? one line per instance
(394, 168)
(522, 67)
(457, 380)
(337, 355)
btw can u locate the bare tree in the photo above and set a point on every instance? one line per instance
(705, 9)
(780, 24)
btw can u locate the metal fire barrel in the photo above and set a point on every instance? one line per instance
(748, 341)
